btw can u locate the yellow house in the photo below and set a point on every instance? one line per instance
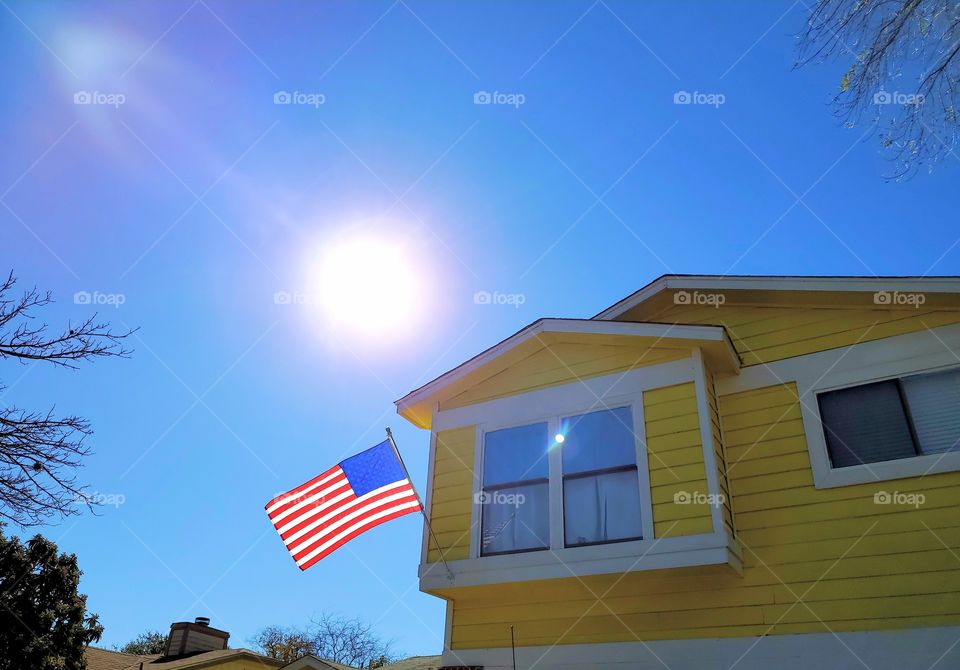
(715, 472)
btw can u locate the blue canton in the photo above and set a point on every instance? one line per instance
(373, 468)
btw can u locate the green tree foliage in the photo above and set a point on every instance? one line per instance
(147, 643)
(44, 623)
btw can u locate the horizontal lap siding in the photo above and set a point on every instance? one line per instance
(720, 454)
(451, 497)
(561, 363)
(855, 564)
(675, 457)
(763, 334)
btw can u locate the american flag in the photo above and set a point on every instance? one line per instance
(361, 492)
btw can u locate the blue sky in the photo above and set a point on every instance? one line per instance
(194, 199)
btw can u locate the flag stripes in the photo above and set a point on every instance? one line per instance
(323, 514)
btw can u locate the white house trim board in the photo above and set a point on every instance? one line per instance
(771, 283)
(563, 562)
(923, 351)
(916, 648)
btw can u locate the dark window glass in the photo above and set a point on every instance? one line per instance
(515, 498)
(866, 424)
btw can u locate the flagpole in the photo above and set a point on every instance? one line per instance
(423, 509)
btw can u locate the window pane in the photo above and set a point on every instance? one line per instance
(934, 403)
(515, 454)
(598, 440)
(865, 424)
(514, 519)
(602, 508)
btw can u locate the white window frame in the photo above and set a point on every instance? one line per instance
(550, 404)
(921, 352)
(556, 541)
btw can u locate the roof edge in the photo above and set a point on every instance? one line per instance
(939, 284)
(556, 325)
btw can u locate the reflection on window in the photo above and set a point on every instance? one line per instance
(601, 491)
(515, 495)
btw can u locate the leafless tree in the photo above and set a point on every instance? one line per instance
(39, 450)
(333, 638)
(903, 71)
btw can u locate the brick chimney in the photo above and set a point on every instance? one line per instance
(191, 638)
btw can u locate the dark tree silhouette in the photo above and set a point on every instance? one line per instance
(146, 644)
(39, 450)
(44, 623)
(902, 71)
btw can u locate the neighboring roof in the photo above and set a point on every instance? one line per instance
(103, 659)
(416, 406)
(949, 284)
(415, 663)
(311, 662)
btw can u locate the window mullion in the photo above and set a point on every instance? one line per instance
(555, 465)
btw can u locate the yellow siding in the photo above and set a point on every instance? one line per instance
(452, 493)
(856, 565)
(561, 363)
(764, 333)
(720, 455)
(675, 457)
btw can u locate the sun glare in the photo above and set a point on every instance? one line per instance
(367, 285)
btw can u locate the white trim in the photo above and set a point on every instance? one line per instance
(643, 470)
(670, 335)
(476, 484)
(555, 487)
(923, 351)
(617, 557)
(741, 283)
(878, 650)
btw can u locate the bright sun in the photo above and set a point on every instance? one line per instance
(367, 285)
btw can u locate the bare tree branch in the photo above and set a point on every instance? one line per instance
(38, 450)
(903, 72)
